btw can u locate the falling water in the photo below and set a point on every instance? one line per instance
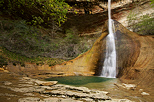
(109, 68)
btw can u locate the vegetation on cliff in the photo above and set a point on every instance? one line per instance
(141, 23)
(23, 43)
(30, 32)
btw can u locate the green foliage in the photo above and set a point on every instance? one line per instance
(72, 36)
(36, 12)
(3, 61)
(146, 25)
(152, 3)
(28, 41)
(141, 24)
(8, 56)
(18, 37)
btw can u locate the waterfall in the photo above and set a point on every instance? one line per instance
(109, 68)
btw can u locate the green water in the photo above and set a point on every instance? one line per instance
(98, 83)
(93, 82)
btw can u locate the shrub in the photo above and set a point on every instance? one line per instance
(142, 25)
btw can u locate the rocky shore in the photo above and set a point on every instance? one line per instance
(17, 88)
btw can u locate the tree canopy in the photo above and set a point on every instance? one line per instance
(36, 12)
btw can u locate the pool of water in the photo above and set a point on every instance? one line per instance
(99, 83)
(93, 82)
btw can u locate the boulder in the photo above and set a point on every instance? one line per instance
(49, 83)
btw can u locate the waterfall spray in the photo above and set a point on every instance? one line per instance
(109, 68)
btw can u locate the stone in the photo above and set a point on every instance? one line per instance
(28, 89)
(26, 78)
(29, 99)
(129, 86)
(140, 90)
(7, 94)
(69, 100)
(1, 69)
(49, 83)
(87, 99)
(117, 100)
(6, 71)
(100, 97)
(51, 100)
(81, 95)
(145, 93)
(29, 94)
(7, 83)
(103, 92)
(45, 83)
(126, 86)
(83, 89)
(45, 96)
(60, 100)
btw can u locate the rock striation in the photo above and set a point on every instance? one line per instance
(29, 91)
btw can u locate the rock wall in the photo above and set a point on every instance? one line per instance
(134, 58)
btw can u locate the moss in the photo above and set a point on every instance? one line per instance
(8, 56)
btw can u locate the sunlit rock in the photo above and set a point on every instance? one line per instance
(145, 93)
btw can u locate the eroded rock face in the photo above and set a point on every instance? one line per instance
(134, 58)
